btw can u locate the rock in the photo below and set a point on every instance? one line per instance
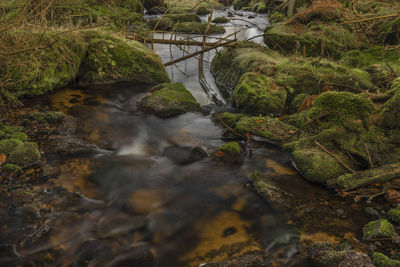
(316, 165)
(378, 229)
(371, 211)
(220, 20)
(155, 11)
(184, 155)
(229, 153)
(390, 113)
(12, 168)
(25, 154)
(381, 260)
(394, 215)
(198, 28)
(167, 100)
(68, 145)
(259, 94)
(202, 10)
(163, 23)
(8, 145)
(115, 59)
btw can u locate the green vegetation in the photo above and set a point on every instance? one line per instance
(381, 260)
(24, 154)
(230, 153)
(12, 168)
(168, 99)
(378, 229)
(198, 28)
(220, 20)
(394, 215)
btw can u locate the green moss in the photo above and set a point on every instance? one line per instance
(266, 127)
(231, 63)
(381, 260)
(316, 40)
(8, 145)
(220, 20)
(12, 168)
(390, 113)
(261, 8)
(378, 229)
(394, 215)
(276, 17)
(25, 154)
(202, 10)
(54, 116)
(230, 152)
(369, 56)
(341, 106)
(316, 165)
(259, 94)
(20, 136)
(115, 59)
(231, 119)
(299, 119)
(12, 129)
(163, 23)
(183, 17)
(241, 4)
(394, 87)
(198, 28)
(168, 99)
(2, 134)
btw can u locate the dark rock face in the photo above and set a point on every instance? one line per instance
(184, 155)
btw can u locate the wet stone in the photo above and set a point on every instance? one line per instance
(184, 155)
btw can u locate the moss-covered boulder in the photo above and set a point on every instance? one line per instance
(378, 229)
(164, 24)
(313, 40)
(202, 10)
(232, 62)
(381, 260)
(198, 28)
(25, 154)
(229, 153)
(394, 215)
(12, 169)
(269, 129)
(183, 17)
(168, 99)
(8, 145)
(390, 113)
(259, 94)
(220, 20)
(113, 59)
(316, 165)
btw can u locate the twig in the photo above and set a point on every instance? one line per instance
(374, 18)
(229, 128)
(334, 156)
(369, 157)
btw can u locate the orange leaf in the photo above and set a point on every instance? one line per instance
(3, 159)
(259, 121)
(219, 153)
(393, 195)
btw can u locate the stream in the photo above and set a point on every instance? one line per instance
(145, 200)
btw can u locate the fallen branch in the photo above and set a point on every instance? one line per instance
(199, 52)
(362, 178)
(334, 156)
(166, 41)
(374, 18)
(229, 128)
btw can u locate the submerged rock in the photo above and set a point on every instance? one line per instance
(229, 153)
(378, 229)
(185, 155)
(220, 20)
(198, 28)
(167, 100)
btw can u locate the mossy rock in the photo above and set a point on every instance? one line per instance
(12, 168)
(25, 154)
(381, 260)
(183, 17)
(10, 129)
(316, 165)
(44, 70)
(390, 113)
(378, 229)
(220, 20)
(8, 145)
(231, 118)
(19, 136)
(259, 94)
(241, 4)
(361, 58)
(298, 119)
(315, 40)
(203, 10)
(198, 28)
(168, 99)
(342, 106)
(271, 129)
(113, 59)
(232, 62)
(163, 23)
(261, 8)
(394, 87)
(394, 215)
(229, 153)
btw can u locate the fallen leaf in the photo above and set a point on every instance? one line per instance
(219, 153)
(3, 159)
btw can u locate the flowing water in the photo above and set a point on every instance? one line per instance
(142, 199)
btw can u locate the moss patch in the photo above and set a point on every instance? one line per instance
(394, 215)
(378, 229)
(168, 99)
(381, 260)
(12, 168)
(230, 153)
(220, 20)
(113, 59)
(259, 94)
(8, 145)
(390, 113)
(25, 154)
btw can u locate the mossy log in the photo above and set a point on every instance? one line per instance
(363, 178)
